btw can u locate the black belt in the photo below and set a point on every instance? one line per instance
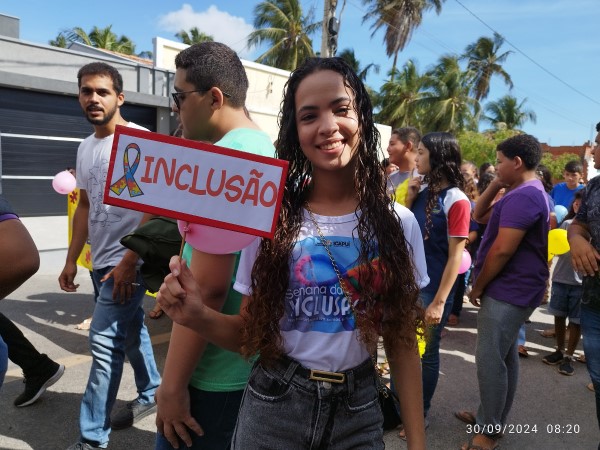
(365, 369)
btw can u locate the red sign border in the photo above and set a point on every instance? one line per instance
(192, 145)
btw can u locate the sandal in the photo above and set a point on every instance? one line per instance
(402, 432)
(548, 333)
(471, 446)
(523, 351)
(85, 325)
(452, 320)
(156, 312)
(466, 416)
(581, 358)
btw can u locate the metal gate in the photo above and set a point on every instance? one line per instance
(39, 134)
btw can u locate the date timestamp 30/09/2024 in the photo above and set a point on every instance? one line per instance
(525, 428)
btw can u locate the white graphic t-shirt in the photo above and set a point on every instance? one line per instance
(318, 326)
(106, 224)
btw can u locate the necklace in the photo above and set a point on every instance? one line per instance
(333, 263)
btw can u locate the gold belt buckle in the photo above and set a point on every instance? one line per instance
(322, 375)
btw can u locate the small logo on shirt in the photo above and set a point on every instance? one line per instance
(334, 243)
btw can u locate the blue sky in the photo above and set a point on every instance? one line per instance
(558, 35)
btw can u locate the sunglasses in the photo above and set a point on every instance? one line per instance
(178, 97)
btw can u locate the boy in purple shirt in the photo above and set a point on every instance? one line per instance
(510, 279)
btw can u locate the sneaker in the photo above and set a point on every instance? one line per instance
(82, 446)
(130, 414)
(553, 358)
(565, 367)
(36, 385)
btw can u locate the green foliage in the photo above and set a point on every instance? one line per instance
(398, 19)
(282, 25)
(103, 38)
(506, 110)
(556, 163)
(481, 147)
(194, 36)
(485, 62)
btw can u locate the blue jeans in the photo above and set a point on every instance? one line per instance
(590, 328)
(283, 409)
(117, 330)
(430, 362)
(3, 360)
(522, 337)
(217, 413)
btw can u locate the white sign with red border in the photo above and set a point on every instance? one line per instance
(195, 182)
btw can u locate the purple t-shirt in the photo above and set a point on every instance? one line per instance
(522, 281)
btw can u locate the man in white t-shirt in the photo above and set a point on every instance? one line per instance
(117, 329)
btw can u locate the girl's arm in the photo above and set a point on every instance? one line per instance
(433, 313)
(405, 366)
(185, 301)
(412, 191)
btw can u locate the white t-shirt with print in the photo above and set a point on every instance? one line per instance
(318, 327)
(106, 224)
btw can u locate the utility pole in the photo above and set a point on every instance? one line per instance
(330, 29)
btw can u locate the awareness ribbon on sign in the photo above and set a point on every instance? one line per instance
(127, 180)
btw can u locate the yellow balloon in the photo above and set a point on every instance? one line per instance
(421, 344)
(401, 191)
(557, 243)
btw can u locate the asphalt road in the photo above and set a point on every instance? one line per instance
(551, 411)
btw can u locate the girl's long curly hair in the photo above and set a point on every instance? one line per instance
(444, 162)
(391, 311)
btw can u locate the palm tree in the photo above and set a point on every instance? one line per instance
(399, 18)
(484, 61)
(362, 72)
(506, 110)
(194, 36)
(447, 100)
(399, 100)
(60, 41)
(282, 25)
(101, 38)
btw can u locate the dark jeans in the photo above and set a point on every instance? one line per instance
(216, 412)
(430, 361)
(459, 292)
(590, 328)
(20, 350)
(283, 408)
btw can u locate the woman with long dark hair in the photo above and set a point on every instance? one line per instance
(443, 212)
(343, 269)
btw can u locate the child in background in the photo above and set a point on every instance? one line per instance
(338, 235)
(565, 301)
(563, 193)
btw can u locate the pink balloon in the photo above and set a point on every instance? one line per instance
(214, 240)
(465, 262)
(64, 182)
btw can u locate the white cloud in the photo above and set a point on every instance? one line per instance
(222, 26)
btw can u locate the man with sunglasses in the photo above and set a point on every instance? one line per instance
(202, 387)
